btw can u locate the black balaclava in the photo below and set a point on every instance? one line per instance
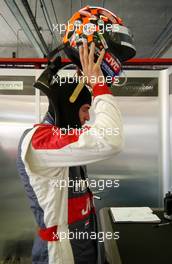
(68, 113)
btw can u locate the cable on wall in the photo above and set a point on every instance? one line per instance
(36, 7)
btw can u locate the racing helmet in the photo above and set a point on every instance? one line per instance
(107, 31)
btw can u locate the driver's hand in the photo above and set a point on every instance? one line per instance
(92, 71)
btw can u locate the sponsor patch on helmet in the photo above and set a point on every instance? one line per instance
(107, 69)
(89, 29)
(112, 62)
(77, 23)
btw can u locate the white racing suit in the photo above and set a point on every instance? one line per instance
(51, 165)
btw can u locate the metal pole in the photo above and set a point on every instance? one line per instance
(37, 99)
(32, 19)
(164, 154)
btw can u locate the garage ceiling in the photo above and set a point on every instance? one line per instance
(150, 21)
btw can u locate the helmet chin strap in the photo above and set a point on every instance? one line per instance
(77, 91)
(54, 53)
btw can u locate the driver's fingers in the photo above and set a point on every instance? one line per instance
(85, 47)
(81, 55)
(91, 54)
(100, 58)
